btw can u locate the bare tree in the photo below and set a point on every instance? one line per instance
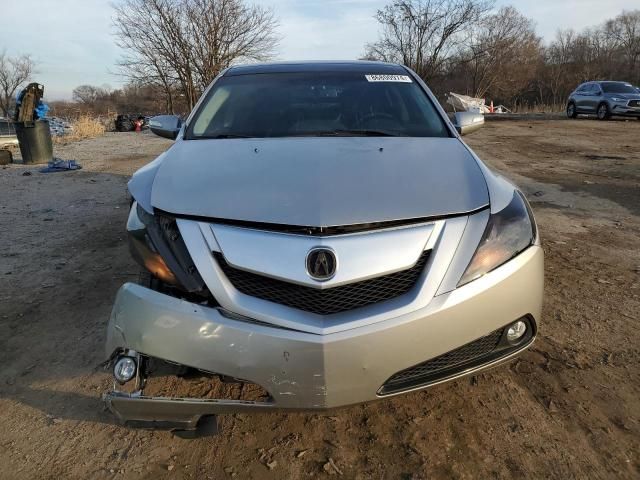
(424, 34)
(14, 72)
(188, 42)
(152, 71)
(610, 51)
(556, 74)
(150, 32)
(503, 54)
(88, 94)
(624, 32)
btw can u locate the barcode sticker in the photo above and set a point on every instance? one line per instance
(388, 78)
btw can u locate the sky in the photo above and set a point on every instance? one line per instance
(72, 41)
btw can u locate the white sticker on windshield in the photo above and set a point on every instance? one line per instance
(388, 78)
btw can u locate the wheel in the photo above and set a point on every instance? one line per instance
(571, 110)
(603, 112)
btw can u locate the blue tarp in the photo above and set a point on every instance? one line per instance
(58, 165)
(41, 110)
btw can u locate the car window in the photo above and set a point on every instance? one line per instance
(316, 104)
(582, 88)
(590, 89)
(617, 87)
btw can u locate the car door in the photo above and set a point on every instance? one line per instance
(580, 97)
(594, 97)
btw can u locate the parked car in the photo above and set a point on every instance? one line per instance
(604, 99)
(321, 231)
(7, 133)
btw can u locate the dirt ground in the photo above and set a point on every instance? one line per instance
(568, 408)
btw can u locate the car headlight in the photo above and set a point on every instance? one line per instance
(156, 244)
(508, 232)
(142, 248)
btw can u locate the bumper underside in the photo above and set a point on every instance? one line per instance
(306, 371)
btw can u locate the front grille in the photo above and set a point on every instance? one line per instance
(634, 103)
(327, 301)
(445, 365)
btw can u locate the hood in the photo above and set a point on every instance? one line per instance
(319, 181)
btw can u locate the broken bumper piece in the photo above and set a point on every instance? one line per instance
(310, 372)
(174, 413)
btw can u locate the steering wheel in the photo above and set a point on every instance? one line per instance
(370, 116)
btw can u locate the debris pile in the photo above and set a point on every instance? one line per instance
(131, 122)
(470, 104)
(32, 130)
(58, 126)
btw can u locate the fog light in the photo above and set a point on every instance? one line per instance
(516, 331)
(124, 369)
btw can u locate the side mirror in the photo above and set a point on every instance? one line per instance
(167, 126)
(467, 122)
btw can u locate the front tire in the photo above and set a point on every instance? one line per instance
(571, 110)
(603, 112)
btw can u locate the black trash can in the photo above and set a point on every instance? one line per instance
(35, 141)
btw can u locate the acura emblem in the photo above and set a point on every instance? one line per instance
(321, 264)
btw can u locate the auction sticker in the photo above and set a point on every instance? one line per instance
(388, 78)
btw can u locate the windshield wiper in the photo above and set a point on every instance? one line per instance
(366, 133)
(348, 133)
(226, 135)
(319, 133)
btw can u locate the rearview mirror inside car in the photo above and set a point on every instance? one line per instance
(167, 126)
(467, 122)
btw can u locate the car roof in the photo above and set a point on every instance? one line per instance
(604, 82)
(610, 82)
(319, 66)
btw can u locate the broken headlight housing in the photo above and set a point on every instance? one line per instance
(508, 233)
(157, 245)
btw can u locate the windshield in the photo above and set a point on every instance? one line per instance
(316, 104)
(616, 87)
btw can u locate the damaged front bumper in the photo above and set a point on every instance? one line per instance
(310, 372)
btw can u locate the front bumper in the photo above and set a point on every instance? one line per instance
(304, 371)
(622, 109)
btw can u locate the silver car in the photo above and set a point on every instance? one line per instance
(321, 232)
(604, 99)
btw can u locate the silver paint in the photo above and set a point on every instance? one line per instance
(360, 256)
(443, 242)
(319, 181)
(322, 362)
(352, 364)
